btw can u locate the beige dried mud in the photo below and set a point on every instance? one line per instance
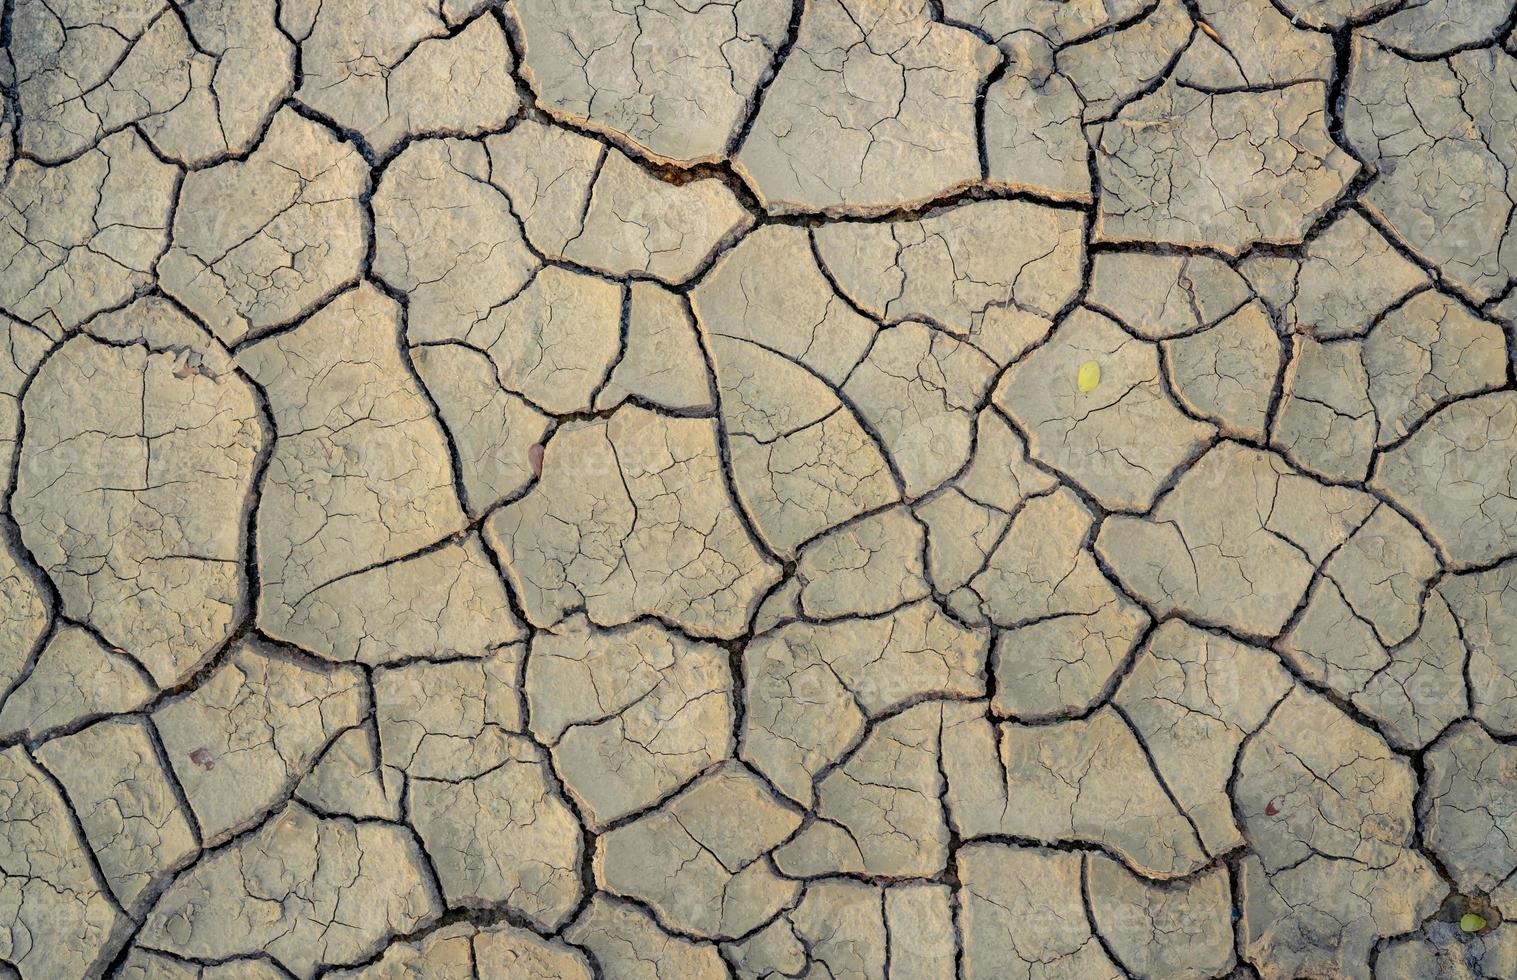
(828, 489)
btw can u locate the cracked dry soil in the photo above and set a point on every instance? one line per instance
(690, 489)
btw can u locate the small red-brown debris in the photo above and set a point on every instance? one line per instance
(535, 457)
(1273, 807)
(202, 758)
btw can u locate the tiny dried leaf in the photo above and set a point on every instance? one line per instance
(1088, 377)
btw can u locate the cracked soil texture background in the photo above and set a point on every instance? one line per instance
(689, 489)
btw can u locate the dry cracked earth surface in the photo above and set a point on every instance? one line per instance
(689, 489)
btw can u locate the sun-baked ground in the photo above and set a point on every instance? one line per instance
(685, 489)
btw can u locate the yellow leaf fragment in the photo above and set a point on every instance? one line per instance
(1088, 376)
